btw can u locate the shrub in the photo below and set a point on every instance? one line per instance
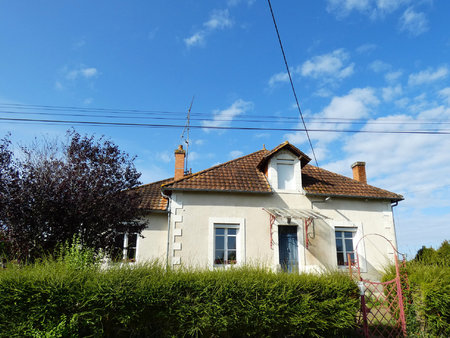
(49, 298)
(429, 279)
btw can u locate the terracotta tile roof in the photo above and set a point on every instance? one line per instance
(318, 181)
(304, 159)
(242, 175)
(238, 175)
(151, 198)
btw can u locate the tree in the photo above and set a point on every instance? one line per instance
(80, 187)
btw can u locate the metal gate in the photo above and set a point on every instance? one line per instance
(382, 312)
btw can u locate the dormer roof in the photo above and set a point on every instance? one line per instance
(304, 159)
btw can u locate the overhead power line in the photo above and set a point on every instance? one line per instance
(292, 83)
(149, 125)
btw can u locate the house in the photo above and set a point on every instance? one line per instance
(269, 208)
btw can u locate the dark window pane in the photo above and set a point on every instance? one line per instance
(339, 246)
(352, 257)
(220, 231)
(220, 242)
(348, 234)
(349, 245)
(340, 258)
(118, 241)
(232, 231)
(338, 233)
(232, 243)
(232, 257)
(219, 257)
(131, 254)
(132, 240)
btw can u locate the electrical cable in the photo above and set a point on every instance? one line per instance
(292, 83)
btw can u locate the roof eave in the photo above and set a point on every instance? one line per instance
(356, 196)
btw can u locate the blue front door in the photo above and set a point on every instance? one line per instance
(288, 244)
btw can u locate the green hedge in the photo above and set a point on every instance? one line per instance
(52, 299)
(429, 312)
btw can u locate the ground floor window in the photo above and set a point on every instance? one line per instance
(344, 246)
(125, 245)
(225, 248)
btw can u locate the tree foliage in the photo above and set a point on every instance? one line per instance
(440, 256)
(57, 190)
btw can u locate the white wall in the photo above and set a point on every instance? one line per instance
(192, 213)
(154, 242)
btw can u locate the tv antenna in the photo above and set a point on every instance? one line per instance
(185, 135)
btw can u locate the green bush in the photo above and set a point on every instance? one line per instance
(52, 299)
(428, 313)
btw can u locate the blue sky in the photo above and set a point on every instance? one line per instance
(367, 65)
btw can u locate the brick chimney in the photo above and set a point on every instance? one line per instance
(180, 154)
(359, 172)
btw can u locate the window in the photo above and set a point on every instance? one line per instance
(226, 241)
(125, 245)
(225, 249)
(286, 178)
(344, 246)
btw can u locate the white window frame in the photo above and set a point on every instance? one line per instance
(358, 229)
(125, 246)
(227, 222)
(283, 158)
(344, 246)
(290, 164)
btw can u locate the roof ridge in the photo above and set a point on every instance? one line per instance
(352, 179)
(214, 167)
(147, 184)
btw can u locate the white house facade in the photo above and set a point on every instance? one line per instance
(268, 208)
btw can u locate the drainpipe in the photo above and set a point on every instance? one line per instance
(394, 204)
(168, 226)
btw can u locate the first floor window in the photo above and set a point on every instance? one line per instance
(125, 246)
(225, 245)
(344, 246)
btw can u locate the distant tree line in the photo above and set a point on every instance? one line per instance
(53, 190)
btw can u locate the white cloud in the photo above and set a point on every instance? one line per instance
(278, 78)
(379, 66)
(331, 65)
(373, 8)
(393, 76)
(199, 142)
(428, 75)
(343, 8)
(223, 118)
(164, 156)
(195, 39)
(59, 85)
(88, 100)
(366, 48)
(232, 3)
(356, 104)
(82, 71)
(218, 20)
(390, 93)
(414, 23)
(236, 153)
(445, 94)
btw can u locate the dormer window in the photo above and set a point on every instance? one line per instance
(286, 177)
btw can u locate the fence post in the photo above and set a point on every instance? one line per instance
(362, 293)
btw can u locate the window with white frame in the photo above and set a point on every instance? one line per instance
(225, 245)
(345, 245)
(125, 247)
(226, 241)
(285, 171)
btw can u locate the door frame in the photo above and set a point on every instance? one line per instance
(300, 245)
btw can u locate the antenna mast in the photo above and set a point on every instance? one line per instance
(185, 134)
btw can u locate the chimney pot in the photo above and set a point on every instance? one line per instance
(180, 154)
(359, 172)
